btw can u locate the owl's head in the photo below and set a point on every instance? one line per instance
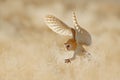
(70, 45)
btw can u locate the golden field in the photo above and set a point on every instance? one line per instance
(29, 50)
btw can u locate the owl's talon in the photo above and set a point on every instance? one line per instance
(67, 61)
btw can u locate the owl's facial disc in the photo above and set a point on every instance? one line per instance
(70, 45)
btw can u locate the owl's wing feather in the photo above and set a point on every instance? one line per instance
(83, 36)
(58, 26)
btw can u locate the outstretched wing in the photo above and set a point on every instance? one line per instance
(58, 26)
(82, 36)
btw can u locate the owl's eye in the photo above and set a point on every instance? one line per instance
(68, 45)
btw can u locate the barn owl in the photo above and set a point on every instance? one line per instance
(79, 36)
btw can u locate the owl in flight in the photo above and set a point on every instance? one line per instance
(79, 36)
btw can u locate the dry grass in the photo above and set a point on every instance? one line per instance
(31, 51)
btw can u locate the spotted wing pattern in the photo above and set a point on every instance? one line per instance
(58, 26)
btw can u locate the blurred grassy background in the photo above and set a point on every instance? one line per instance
(29, 50)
